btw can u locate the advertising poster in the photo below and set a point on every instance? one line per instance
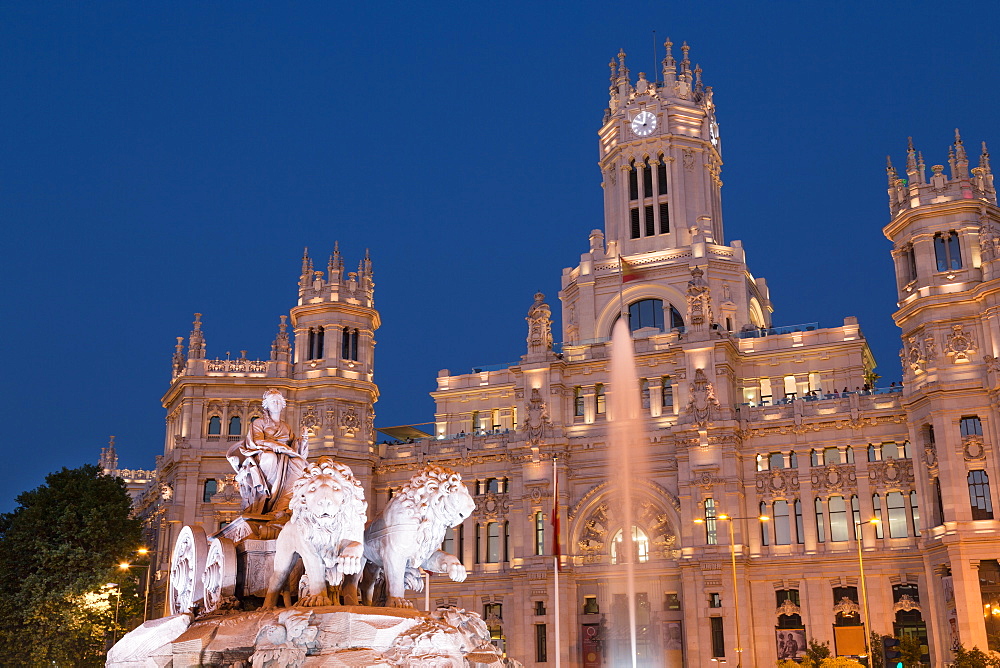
(791, 643)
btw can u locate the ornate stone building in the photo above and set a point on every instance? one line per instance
(743, 419)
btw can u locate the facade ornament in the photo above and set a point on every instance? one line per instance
(350, 423)
(787, 608)
(310, 421)
(699, 300)
(992, 363)
(906, 604)
(973, 448)
(834, 478)
(777, 483)
(918, 353)
(989, 239)
(930, 453)
(891, 473)
(703, 402)
(961, 345)
(539, 326)
(537, 417)
(706, 480)
(492, 506)
(846, 607)
(688, 159)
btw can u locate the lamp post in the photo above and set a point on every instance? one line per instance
(143, 551)
(736, 592)
(116, 588)
(864, 587)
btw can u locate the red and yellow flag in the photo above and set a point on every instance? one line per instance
(629, 272)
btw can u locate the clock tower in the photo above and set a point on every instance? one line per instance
(660, 157)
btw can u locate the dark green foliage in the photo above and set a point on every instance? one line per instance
(817, 651)
(974, 658)
(58, 549)
(909, 650)
(875, 647)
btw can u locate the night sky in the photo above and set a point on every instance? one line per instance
(159, 159)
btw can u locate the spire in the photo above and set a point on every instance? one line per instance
(281, 348)
(622, 70)
(911, 162)
(669, 64)
(961, 159)
(914, 164)
(196, 341)
(951, 162)
(109, 458)
(614, 72)
(335, 267)
(984, 160)
(307, 264)
(890, 171)
(368, 264)
(179, 363)
(698, 87)
(686, 62)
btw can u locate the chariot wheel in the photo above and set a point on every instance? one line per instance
(187, 564)
(219, 577)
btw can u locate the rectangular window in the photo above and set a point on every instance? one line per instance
(650, 223)
(971, 426)
(644, 392)
(776, 460)
(979, 495)
(820, 524)
(590, 606)
(667, 393)
(541, 642)
(539, 533)
(633, 182)
(647, 180)
(915, 512)
(896, 510)
(601, 401)
(211, 487)
(634, 223)
(479, 535)
(539, 607)
(711, 530)
(578, 402)
(939, 520)
(448, 544)
(877, 507)
(664, 217)
(661, 177)
(800, 534)
(838, 519)
(492, 542)
(765, 530)
(718, 637)
(782, 530)
(715, 600)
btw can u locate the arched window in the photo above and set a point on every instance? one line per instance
(838, 519)
(800, 534)
(979, 495)
(601, 400)
(676, 319)
(640, 546)
(235, 426)
(578, 401)
(782, 529)
(214, 425)
(814, 457)
(647, 179)
(349, 344)
(895, 506)
(211, 487)
(645, 313)
(793, 460)
(793, 621)
(661, 177)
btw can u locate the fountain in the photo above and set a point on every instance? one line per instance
(626, 454)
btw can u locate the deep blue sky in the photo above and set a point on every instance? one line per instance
(159, 159)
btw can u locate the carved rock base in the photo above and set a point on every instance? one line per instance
(325, 636)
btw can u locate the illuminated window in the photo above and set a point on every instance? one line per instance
(578, 401)
(640, 546)
(877, 508)
(601, 400)
(765, 532)
(895, 506)
(782, 529)
(820, 524)
(711, 532)
(946, 251)
(539, 533)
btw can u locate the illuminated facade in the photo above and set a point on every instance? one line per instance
(744, 419)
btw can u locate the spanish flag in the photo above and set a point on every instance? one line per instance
(629, 272)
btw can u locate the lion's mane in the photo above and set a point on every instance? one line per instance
(424, 498)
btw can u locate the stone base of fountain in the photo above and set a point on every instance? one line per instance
(322, 636)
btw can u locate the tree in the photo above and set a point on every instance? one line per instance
(838, 662)
(910, 652)
(815, 653)
(876, 660)
(973, 658)
(58, 551)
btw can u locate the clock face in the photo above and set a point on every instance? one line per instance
(644, 123)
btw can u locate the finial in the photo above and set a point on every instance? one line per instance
(306, 262)
(958, 138)
(614, 70)
(909, 143)
(283, 325)
(697, 78)
(686, 62)
(963, 159)
(111, 442)
(197, 322)
(920, 160)
(890, 171)
(911, 156)
(984, 159)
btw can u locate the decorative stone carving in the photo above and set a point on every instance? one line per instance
(834, 478)
(777, 483)
(539, 326)
(906, 604)
(326, 530)
(891, 473)
(406, 535)
(688, 159)
(846, 607)
(699, 300)
(285, 643)
(989, 239)
(973, 448)
(310, 421)
(595, 537)
(961, 345)
(187, 564)
(703, 402)
(787, 608)
(705, 479)
(918, 353)
(537, 417)
(219, 577)
(492, 506)
(992, 363)
(350, 423)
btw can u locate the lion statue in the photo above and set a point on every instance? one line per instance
(326, 530)
(406, 535)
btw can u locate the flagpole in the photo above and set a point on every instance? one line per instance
(555, 510)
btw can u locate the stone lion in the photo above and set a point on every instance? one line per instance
(326, 530)
(406, 535)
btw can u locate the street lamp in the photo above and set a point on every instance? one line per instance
(864, 586)
(116, 588)
(736, 592)
(143, 551)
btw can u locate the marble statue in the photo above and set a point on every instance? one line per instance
(268, 461)
(326, 530)
(405, 537)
